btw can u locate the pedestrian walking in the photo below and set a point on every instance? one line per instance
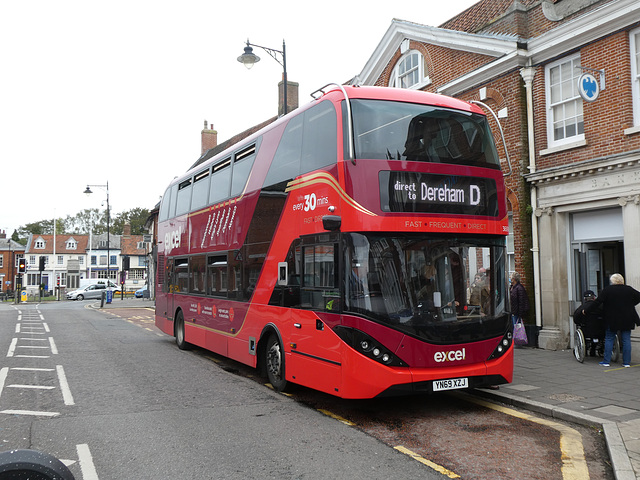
(519, 298)
(618, 303)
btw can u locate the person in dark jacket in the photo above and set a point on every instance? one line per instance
(619, 309)
(519, 298)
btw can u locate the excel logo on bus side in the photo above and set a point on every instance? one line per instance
(450, 356)
(172, 239)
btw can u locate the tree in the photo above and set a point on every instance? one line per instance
(87, 220)
(135, 217)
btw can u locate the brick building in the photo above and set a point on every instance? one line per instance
(573, 139)
(10, 252)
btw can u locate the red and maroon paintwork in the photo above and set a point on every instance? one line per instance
(225, 326)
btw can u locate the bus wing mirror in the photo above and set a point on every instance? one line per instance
(332, 222)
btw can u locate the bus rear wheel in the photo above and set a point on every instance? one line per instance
(178, 331)
(274, 363)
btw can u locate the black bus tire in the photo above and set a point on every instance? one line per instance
(178, 331)
(274, 363)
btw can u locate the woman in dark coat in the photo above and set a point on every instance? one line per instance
(619, 308)
(519, 298)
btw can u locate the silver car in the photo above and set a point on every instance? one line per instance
(90, 291)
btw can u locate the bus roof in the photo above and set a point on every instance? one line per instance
(353, 92)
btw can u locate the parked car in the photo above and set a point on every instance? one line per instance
(141, 292)
(90, 291)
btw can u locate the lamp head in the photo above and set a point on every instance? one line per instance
(88, 191)
(248, 58)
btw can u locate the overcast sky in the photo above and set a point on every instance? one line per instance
(95, 92)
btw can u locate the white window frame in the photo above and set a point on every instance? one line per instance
(39, 244)
(397, 77)
(570, 96)
(1, 260)
(634, 46)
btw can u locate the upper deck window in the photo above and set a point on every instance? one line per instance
(200, 190)
(309, 142)
(184, 197)
(407, 131)
(242, 164)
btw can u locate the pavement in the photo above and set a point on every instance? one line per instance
(555, 384)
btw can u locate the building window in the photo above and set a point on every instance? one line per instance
(565, 120)
(80, 260)
(136, 274)
(634, 41)
(1, 261)
(60, 260)
(103, 259)
(113, 260)
(32, 259)
(39, 244)
(409, 72)
(94, 260)
(72, 245)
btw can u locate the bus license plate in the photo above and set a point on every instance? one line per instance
(450, 384)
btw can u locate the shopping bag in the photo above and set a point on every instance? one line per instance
(520, 333)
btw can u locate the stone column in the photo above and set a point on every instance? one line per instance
(553, 279)
(631, 225)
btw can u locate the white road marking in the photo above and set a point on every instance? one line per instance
(64, 386)
(86, 462)
(12, 347)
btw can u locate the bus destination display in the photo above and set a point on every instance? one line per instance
(433, 193)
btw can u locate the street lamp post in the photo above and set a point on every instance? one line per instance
(248, 59)
(89, 192)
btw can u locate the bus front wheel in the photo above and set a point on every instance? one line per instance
(274, 363)
(179, 332)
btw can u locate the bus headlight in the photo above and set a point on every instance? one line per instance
(503, 346)
(368, 346)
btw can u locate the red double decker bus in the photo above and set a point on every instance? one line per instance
(355, 246)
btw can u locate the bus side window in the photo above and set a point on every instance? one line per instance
(220, 181)
(197, 274)
(200, 190)
(286, 161)
(173, 201)
(217, 275)
(181, 275)
(289, 295)
(319, 147)
(184, 197)
(242, 164)
(163, 214)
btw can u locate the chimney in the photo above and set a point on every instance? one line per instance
(126, 230)
(3, 234)
(209, 138)
(292, 96)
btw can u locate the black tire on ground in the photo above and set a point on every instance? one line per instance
(274, 363)
(178, 331)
